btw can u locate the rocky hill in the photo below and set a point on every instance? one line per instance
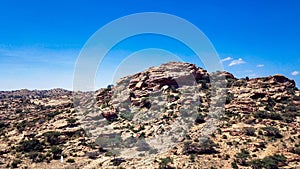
(176, 115)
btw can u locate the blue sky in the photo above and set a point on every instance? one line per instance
(40, 41)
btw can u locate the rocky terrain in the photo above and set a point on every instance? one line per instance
(176, 115)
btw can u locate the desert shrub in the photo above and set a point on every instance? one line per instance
(229, 98)
(30, 145)
(230, 114)
(2, 125)
(117, 161)
(242, 157)
(266, 115)
(192, 157)
(92, 154)
(224, 136)
(297, 98)
(229, 143)
(40, 158)
(70, 160)
(72, 122)
(127, 115)
(15, 163)
(203, 84)
(18, 111)
(33, 156)
(296, 151)
(206, 147)
(262, 145)
(51, 115)
(240, 83)
(292, 108)
(249, 131)
(153, 151)
(227, 157)
(290, 116)
(261, 114)
(234, 165)
(199, 119)
(21, 126)
(163, 163)
(243, 154)
(275, 116)
(52, 137)
(258, 95)
(272, 132)
(56, 152)
(269, 162)
(142, 145)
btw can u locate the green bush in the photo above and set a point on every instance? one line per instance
(296, 151)
(206, 147)
(243, 154)
(290, 116)
(199, 119)
(40, 158)
(70, 160)
(127, 115)
(72, 122)
(33, 156)
(51, 115)
(249, 131)
(117, 161)
(56, 152)
(30, 145)
(240, 83)
(269, 162)
(272, 132)
(261, 114)
(153, 151)
(242, 157)
(230, 114)
(52, 137)
(21, 126)
(15, 163)
(192, 157)
(2, 125)
(234, 165)
(266, 115)
(163, 164)
(229, 98)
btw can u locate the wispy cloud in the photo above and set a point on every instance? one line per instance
(260, 65)
(295, 73)
(252, 75)
(226, 59)
(39, 55)
(36, 67)
(237, 62)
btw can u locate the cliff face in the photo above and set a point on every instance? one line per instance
(171, 116)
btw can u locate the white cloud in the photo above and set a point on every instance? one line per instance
(236, 62)
(226, 59)
(260, 65)
(252, 75)
(294, 73)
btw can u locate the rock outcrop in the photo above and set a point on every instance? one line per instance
(176, 115)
